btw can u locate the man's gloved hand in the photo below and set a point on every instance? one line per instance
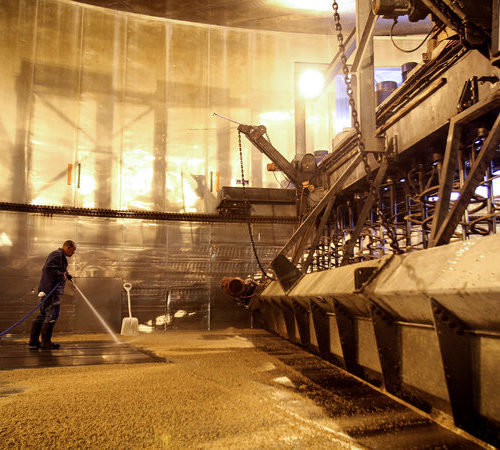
(41, 294)
(69, 277)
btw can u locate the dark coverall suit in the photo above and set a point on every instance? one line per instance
(52, 273)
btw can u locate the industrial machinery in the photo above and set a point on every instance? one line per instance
(393, 273)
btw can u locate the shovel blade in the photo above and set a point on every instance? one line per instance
(130, 326)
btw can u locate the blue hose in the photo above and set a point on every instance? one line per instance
(31, 312)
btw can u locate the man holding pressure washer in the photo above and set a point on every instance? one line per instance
(54, 276)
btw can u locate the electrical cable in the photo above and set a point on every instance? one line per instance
(31, 312)
(416, 48)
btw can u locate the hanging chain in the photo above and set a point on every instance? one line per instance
(354, 114)
(247, 204)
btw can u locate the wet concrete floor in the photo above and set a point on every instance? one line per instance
(227, 389)
(17, 355)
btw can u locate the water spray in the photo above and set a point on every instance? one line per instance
(106, 326)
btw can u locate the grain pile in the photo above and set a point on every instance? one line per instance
(218, 392)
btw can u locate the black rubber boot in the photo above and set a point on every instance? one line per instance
(34, 343)
(47, 344)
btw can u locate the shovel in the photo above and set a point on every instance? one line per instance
(130, 325)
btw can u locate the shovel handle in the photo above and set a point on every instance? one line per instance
(127, 287)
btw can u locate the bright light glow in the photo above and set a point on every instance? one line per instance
(285, 381)
(313, 120)
(5, 240)
(311, 83)
(482, 191)
(40, 201)
(274, 116)
(87, 184)
(317, 5)
(138, 204)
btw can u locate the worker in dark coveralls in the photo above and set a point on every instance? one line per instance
(54, 271)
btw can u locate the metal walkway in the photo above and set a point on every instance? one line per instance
(17, 355)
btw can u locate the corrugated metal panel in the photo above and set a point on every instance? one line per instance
(186, 259)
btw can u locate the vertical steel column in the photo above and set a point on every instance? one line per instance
(444, 222)
(302, 316)
(363, 215)
(289, 316)
(455, 350)
(279, 318)
(348, 337)
(363, 67)
(321, 327)
(448, 224)
(389, 347)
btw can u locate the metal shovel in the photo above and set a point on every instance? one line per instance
(130, 325)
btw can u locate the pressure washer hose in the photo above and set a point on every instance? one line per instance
(31, 312)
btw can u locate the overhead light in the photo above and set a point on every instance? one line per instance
(274, 116)
(311, 83)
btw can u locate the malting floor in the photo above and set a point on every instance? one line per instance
(241, 389)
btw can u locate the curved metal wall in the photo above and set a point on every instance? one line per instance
(128, 100)
(187, 259)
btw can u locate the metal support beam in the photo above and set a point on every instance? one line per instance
(446, 178)
(348, 338)
(288, 275)
(366, 38)
(495, 29)
(268, 317)
(490, 103)
(301, 245)
(364, 76)
(455, 349)
(389, 347)
(279, 317)
(336, 64)
(256, 136)
(439, 14)
(365, 211)
(289, 317)
(412, 104)
(475, 177)
(332, 192)
(317, 235)
(302, 316)
(321, 327)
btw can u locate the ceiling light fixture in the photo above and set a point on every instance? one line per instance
(311, 83)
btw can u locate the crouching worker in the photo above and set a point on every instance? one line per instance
(53, 273)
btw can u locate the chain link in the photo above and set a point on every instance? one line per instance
(250, 233)
(354, 115)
